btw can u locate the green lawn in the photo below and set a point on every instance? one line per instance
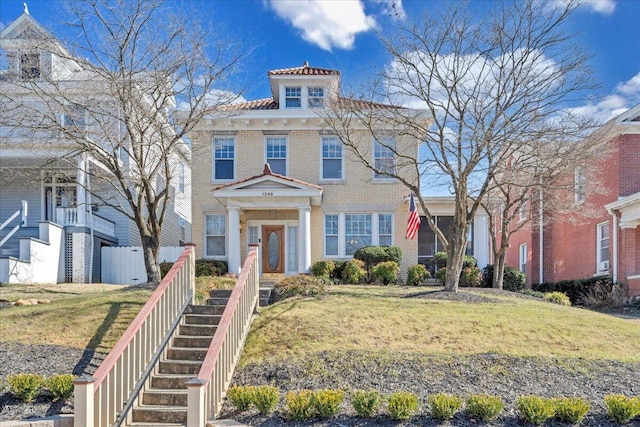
(374, 318)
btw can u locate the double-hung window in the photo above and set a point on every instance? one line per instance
(357, 232)
(522, 210)
(332, 159)
(385, 229)
(523, 258)
(315, 97)
(602, 255)
(331, 235)
(223, 158)
(384, 160)
(74, 116)
(277, 154)
(30, 66)
(293, 97)
(345, 233)
(579, 185)
(215, 231)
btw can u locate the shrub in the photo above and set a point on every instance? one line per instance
(298, 404)
(326, 403)
(570, 409)
(557, 298)
(366, 403)
(484, 406)
(603, 296)
(441, 274)
(164, 268)
(402, 405)
(26, 387)
(374, 255)
(512, 280)
(470, 277)
(574, 289)
(417, 274)
(534, 409)
(241, 396)
(265, 398)
(386, 272)
(353, 271)
(620, 408)
(300, 285)
(533, 293)
(60, 386)
(337, 273)
(323, 268)
(440, 259)
(208, 267)
(444, 406)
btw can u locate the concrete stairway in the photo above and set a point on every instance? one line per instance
(164, 402)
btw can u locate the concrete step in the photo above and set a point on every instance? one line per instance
(163, 424)
(218, 302)
(192, 341)
(197, 330)
(183, 353)
(201, 319)
(204, 309)
(159, 415)
(179, 367)
(220, 293)
(170, 381)
(165, 397)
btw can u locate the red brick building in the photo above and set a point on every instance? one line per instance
(606, 242)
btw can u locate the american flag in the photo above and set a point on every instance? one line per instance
(413, 223)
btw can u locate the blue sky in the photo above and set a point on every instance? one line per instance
(342, 34)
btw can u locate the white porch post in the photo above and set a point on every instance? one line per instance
(234, 239)
(481, 240)
(304, 239)
(81, 194)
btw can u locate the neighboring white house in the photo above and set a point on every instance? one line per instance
(52, 228)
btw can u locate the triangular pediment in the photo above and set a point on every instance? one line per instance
(25, 28)
(272, 183)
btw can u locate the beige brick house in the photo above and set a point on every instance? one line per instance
(271, 173)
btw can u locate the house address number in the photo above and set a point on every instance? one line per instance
(267, 193)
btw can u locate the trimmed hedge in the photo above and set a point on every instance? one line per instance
(513, 280)
(574, 289)
(374, 255)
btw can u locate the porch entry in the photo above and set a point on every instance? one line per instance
(273, 248)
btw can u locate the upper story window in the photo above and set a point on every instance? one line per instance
(602, 254)
(30, 66)
(384, 159)
(332, 158)
(293, 97)
(74, 116)
(522, 210)
(579, 181)
(277, 154)
(316, 97)
(223, 158)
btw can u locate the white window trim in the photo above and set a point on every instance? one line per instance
(226, 235)
(286, 151)
(602, 266)
(322, 178)
(213, 159)
(522, 260)
(302, 96)
(383, 178)
(375, 232)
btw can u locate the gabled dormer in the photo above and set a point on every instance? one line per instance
(33, 53)
(304, 87)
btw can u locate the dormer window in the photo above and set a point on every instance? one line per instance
(74, 117)
(30, 66)
(293, 97)
(316, 97)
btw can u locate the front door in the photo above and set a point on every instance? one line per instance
(273, 249)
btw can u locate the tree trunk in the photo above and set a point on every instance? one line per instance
(455, 256)
(150, 250)
(498, 270)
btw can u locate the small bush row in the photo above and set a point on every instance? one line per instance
(576, 289)
(304, 405)
(27, 387)
(204, 267)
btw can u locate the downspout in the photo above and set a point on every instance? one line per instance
(87, 204)
(614, 261)
(541, 237)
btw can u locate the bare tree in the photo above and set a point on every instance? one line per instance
(483, 90)
(134, 79)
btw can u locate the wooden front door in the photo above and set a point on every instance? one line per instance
(273, 249)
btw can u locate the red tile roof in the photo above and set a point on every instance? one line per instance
(258, 104)
(305, 70)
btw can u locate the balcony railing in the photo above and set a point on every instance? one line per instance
(71, 217)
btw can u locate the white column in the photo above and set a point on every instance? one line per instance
(481, 240)
(304, 240)
(234, 240)
(81, 193)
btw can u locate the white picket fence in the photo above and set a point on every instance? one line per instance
(124, 265)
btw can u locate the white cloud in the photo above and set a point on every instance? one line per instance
(630, 88)
(605, 7)
(326, 23)
(625, 95)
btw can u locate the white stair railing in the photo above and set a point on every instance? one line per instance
(23, 222)
(99, 400)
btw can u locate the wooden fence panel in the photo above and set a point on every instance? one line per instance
(124, 265)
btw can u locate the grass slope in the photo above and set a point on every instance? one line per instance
(410, 320)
